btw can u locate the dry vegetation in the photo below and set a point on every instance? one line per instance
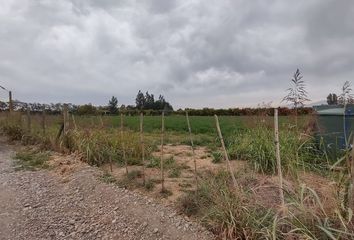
(316, 197)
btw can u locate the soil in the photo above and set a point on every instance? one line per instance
(182, 155)
(265, 188)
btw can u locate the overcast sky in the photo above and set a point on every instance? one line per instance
(197, 53)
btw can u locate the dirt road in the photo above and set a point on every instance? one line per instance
(43, 205)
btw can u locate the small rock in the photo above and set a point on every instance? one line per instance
(156, 230)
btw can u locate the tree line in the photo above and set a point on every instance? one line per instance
(143, 102)
(112, 108)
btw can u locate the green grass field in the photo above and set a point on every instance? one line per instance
(199, 124)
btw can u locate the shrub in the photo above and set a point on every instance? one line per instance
(14, 132)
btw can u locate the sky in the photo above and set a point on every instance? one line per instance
(197, 53)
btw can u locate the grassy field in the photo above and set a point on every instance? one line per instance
(199, 124)
(230, 213)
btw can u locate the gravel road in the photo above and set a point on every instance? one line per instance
(42, 205)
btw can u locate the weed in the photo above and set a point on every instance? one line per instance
(174, 173)
(165, 193)
(134, 174)
(108, 178)
(31, 159)
(149, 185)
(153, 163)
(217, 157)
(185, 185)
(227, 213)
(14, 132)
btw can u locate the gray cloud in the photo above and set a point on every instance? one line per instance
(197, 53)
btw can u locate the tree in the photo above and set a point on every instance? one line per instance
(87, 109)
(149, 101)
(113, 105)
(332, 99)
(140, 100)
(162, 104)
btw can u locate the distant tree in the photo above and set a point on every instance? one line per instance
(332, 99)
(3, 106)
(162, 104)
(113, 105)
(87, 109)
(140, 100)
(149, 101)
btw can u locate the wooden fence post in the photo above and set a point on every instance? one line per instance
(142, 145)
(65, 118)
(74, 122)
(225, 152)
(43, 121)
(277, 154)
(122, 142)
(161, 158)
(28, 119)
(11, 106)
(192, 147)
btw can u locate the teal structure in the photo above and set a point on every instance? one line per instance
(335, 127)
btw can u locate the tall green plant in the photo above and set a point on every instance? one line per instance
(297, 96)
(345, 97)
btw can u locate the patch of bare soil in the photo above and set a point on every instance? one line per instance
(265, 188)
(182, 156)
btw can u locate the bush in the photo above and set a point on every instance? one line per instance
(14, 132)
